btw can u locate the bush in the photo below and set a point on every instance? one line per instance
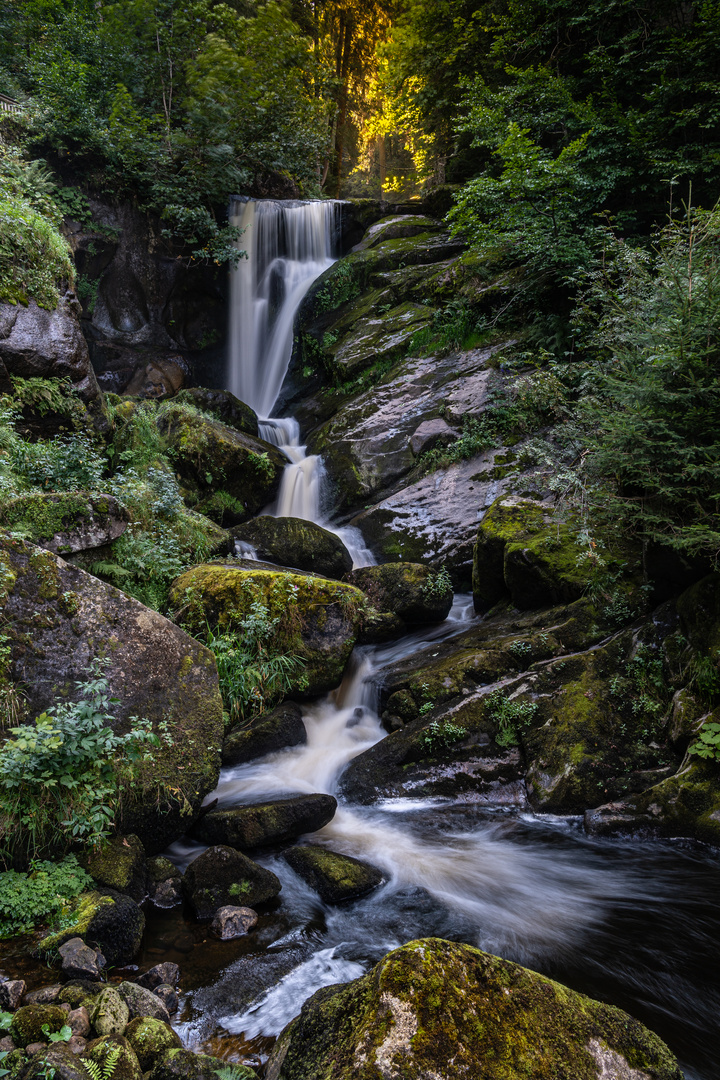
(39, 895)
(67, 464)
(34, 257)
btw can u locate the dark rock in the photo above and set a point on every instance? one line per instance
(435, 1001)
(60, 1058)
(142, 1002)
(432, 433)
(164, 882)
(79, 961)
(78, 1021)
(169, 997)
(111, 921)
(28, 1020)
(266, 824)
(280, 728)
(156, 671)
(411, 591)
(11, 992)
(35, 1048)
(79, 992)
(77, 1044)
(296, 543)
(127, 1067)
(232, 922)
(380, 626)
(159, 974)
(334, 877)
(120, 865)
(6, 1045)
(150, 1039)
(187, 1065)
(110, 1015)
(222, 876)
(46, 995)
(161, 378)
(65, 523)
(225, 406)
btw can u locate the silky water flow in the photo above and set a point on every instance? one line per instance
(634, 924)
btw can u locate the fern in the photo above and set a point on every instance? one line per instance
(106, 1070)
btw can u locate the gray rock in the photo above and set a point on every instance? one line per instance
(79, 961)
(297, 543)
(232, 922)
(77, 1044)
(111, 1014)
(46, 995)
(222, 876)
(266, 824)
(432, 433)
(142, 1002)
(166, 894)
(66, 522)
(11, 992)
(160, 974)
(282, 727)
(6, 1045)
(169, 997)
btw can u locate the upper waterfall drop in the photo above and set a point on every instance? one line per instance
(288, 245)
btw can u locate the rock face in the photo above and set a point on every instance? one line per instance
(334, 877)
(221, 877)
(266, 824)
(433, 1002)
(319, 619)
(411, 591)
(280, 728)
(59, 618)
(65, 523)
(296, 543)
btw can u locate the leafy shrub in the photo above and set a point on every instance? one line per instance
(708, 743)
(441, 735)
(65, 464)
(438, 585)
(511, 717)
(39, 895)
(34, 257)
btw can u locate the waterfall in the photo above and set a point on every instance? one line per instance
(288, 245)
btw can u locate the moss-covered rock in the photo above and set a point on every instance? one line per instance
(318, 619)
(65, 522)
(334, 877)
(142, 1002)
(120, 865)
(110, 1015)
(280, 728)
(433, 1002)
(28, 1022)
(210, 457)
(222, 876)
(150, 1039)
(59, 1058)
(296, 543)
(224, 405)
(413, 592)
(109, 921)
(266, 824)
(127, 1066)
(80, 993)
(186, 1065)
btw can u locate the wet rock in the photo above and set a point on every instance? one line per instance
(169, 997)
(127, 1067)
(181, 1064)
(432, 433)
(150, 1039)
(415, 593)
(222, 876)
(120, 865)
(159, 974)
(213, 459)
(379, 627)
(296, 543)
(318, 619)
(491, 1018)
(109, 920)
(156, 671)
(27, 1023)
(58, 1057)
(11, 992)
(276, 730)
(142, 1002)
(111, 1014)
(46, 995)
(224, 405)
(164, 882)
(66, 522)
(334, 877)
(78, 1021)
(79, 961)
(232, 922)
(266, 824)
(161, 378)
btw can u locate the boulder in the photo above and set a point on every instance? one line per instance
(65, 522)
(127, 1066)
(79, 961)
(169, 997)
(213, 459)
(142, 1002)
(161, 378)
(225, 406)
(59, 1058)
(280, 728)
(28, 1022)
(11, 993)
(120, 865)
(232, 922)
(150, 1039)
(80, 993)
(109, 920)
(223, 876)
(266, 824)
(77, 1044)
(415, 593)
(111, 1014)
(78, 1020)
(318, 619)
(58, 619)
(163, 882)
(432, 1002)
(46, 995)
(334, 877)
(187, 1065)
(160, 974)
(296, 543)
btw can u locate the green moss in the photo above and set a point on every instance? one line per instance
(118, 864)
(41, 516)
(150, 1039)
(76, 921)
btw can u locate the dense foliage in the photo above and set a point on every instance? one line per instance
(39, 894)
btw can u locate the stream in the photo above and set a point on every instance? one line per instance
(636, 924)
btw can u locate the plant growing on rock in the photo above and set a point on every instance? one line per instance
(40, 894)
(511, 717)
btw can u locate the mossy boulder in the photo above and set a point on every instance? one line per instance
(127, 1066)
(57, 619)
(59, 1058)
(65, 522)
(80, 993)
(266, 824)
(296, 543)
(110, 1015)
(180, 1064)
(433, 1002)
(109, 921)
(334, 877)
(318, 619)
(28, 1022)
(120, 865)
(150, 1039)
(142, 1002)
(415, 593)
(222, 876)
(212, 458)
(229, 409)
(280, 728)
